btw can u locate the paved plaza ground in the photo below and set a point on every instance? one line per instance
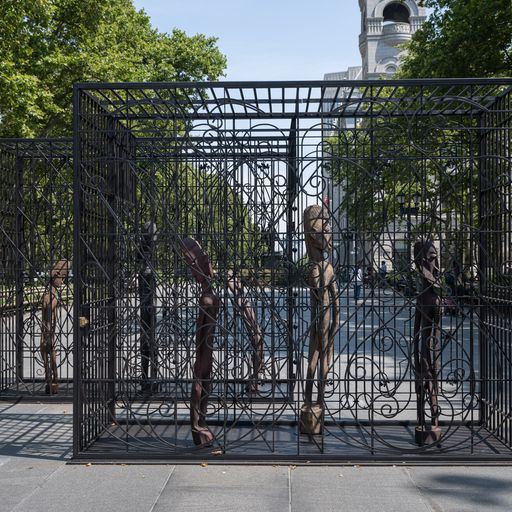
(35, 448)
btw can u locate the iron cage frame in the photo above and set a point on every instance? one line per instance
(233, 165)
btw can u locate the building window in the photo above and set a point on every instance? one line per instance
(396, 13)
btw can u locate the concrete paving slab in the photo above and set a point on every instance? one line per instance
(461, 489)
(20, 477)
(58, 408)
(98, 488)
(357, 488)
(21, 407)
(226, 489)
(370, 503)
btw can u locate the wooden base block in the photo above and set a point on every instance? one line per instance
(52, 389)
(427, 435)
(252, 387)
(202, 436)
(311, 418)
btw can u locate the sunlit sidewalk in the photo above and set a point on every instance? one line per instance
(35, 446)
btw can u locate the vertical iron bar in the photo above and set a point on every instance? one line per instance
(20, 268)
(483, 240)
(291, 193)
(113, 234)
(77, 281)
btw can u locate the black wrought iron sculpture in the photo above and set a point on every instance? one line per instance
(427, 343)
(49, 304)
(324, 303)
(201, 269)
(147, 296)
(235, 166)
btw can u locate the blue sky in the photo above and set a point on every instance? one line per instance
(269, 39)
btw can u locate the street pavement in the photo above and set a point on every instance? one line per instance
(35, 448)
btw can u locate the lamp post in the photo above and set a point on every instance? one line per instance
(407, 211)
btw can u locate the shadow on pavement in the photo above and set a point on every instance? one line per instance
(481, 490)
(35, 434)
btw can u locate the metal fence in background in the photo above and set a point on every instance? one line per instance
(36, 231)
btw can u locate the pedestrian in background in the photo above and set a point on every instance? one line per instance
(383, 270)
(358, 281)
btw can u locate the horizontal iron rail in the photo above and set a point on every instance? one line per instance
(295, 83)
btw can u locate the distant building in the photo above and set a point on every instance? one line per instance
(385, 25)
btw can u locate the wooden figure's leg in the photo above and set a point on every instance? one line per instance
(46, 361)
(314, 351)
(325, 347)
(416, 360)
(434, 352)
(311, 414)
(54, 371)
(201, 386)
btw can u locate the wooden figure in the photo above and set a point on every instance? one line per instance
(246, 310)
(325, 314)
(202, 271)
(426, 342)
(49, 304)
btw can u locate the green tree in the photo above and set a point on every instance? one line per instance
(386, 156)
(47, 45)
(462, 38)
(203, 202)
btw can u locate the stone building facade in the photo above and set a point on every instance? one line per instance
(385, 26)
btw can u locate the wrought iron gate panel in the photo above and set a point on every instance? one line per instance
(237, 168)
(8, 316)
(102, 217)
(36, 229)
(496, 268)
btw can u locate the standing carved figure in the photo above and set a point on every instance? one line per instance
(49, 304)
(325, 314)
(246, 310)
(202, 271)
(147, 292)
(426, 342)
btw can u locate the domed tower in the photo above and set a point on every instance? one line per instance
(386, 24)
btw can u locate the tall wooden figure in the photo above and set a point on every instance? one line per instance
(49, 304)
(426, 342)
(325, 314)
(202, 271)
(251, 324)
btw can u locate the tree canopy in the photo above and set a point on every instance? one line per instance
(462, 38)
(431, 156)
(47, 45)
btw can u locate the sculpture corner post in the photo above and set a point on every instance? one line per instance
(77, 281)
(20, 267)
(112, 273)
